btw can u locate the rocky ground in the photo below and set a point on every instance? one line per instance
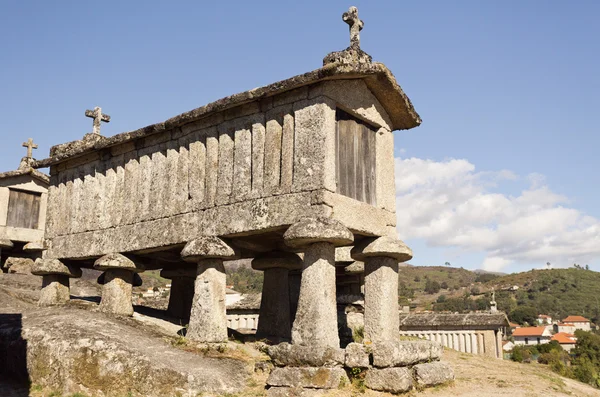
(75, 350)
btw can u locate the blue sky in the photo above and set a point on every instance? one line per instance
(507, 91)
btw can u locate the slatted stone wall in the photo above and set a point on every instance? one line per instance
(197, 166)
(23, 209)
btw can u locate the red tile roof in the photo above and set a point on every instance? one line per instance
(565, 324)
(576, 319)
(529, 331)
(564, 338)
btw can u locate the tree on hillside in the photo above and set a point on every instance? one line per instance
(447, 264)
(524, 314)
(432, 287)
(444, 285)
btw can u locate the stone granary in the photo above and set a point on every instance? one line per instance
(475, 333)
(23, 198)
(303, 165)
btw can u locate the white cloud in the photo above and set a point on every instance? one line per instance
(450, 204)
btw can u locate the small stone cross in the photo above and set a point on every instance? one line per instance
(356, 25)
(98, 116)
(30, 146)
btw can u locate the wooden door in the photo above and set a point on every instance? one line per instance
(355, 158)
(23, 209)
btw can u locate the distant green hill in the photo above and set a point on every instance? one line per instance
(556, 292)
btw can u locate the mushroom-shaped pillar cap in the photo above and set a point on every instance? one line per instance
(382, 246)
(137, 280)
(34, 246)
(45, 267)
(208, 247)
(317, 230)
(179, 271)
(277, 259)
(6, 243)
(117, 261)
(356, 267)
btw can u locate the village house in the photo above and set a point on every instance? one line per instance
(544, 319)
(579, 322)
(567, 341)
(563, 327)
(23, 199)
(531, 335)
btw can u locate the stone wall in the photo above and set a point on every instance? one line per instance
(258, 166)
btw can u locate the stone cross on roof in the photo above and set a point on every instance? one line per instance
(98, 116)
(356, 25)
(30, 146)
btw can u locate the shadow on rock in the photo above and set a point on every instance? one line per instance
(14, 377)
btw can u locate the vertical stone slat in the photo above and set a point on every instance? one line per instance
(287, 153)
(172, 202)
(116, 208)
(107, 195)
(273, 134)
(197, 168)
(225, 174)
(183, 164)
(258, 158)
(157, 183)
(68, 205)
(132, 191)
(242, 164)
(144, 184)
(212, 166)
(52, 209)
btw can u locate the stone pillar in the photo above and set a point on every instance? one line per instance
(294, 280)
(118, 278)
(181, 295)
(499, 351)
(208, 318)
(55, 280)
(316, 318)
(275, 317)
(381, 256)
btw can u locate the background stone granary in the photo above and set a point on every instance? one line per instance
(23, 200)
(243, 168)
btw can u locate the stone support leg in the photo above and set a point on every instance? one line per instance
(381, 257)
(294, 280)
(208, 320)
(116, 292)
(275, 305)
(381, 299)
(181, 297)
(316, 318)
(55, 290)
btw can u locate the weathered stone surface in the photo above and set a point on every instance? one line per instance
(277, 259)
(42, 267)
(313, 230)
(431, 374)
(34, 247)
(285, 354)
(18, 265)
(356, 267)
(55, 290)
(5, 243)
(117, 261)
(356, 356)
(316, 317)
(342, 254)
(116, 292)
(208, 321)
(136, 281)
(205, 248)
(382, 246)
(393, 380)
(295, 392)
(381, 299)
(403, 353)
(72, 350)
(311, 377)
